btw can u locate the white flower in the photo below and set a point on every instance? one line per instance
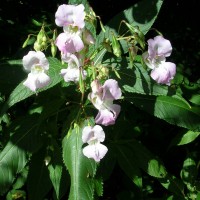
(73, 71)
(94, 136)
(37, 64)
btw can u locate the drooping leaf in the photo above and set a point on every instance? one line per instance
(25, 139)
(21, 92)
(81, 169)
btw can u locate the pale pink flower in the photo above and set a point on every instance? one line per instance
(102, 98)
(94, 136)
(74, 69)
(69, 42)
(37, 64)
(70, 15)
(155, 58)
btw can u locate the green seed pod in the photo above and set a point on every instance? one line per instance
(116, 46)
(53, 49)
(26, 42)
(37, 46)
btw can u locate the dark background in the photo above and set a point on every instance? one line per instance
(178, 20)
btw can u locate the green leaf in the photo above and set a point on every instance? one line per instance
(81, 169)
(185, 138)
(98, 184)
(38, 182)
(21, 179)
(21, 92)
(189, 171)
(15, 155)
(172, 110)
(127, 162)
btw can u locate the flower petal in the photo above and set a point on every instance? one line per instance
(70, 15)
(164, 73)
(159, 46)
(107, 117)
(86, 134)
(35, 81)
(111, 90)
(95, 151)
(99, 133)
(35, 58)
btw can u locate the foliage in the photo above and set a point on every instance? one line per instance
(41, 145)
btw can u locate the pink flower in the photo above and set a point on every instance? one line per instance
(159, 48)
(155, 58)
(37, 64)
(102, 98)
(94, 136)
(70, 15)
(69, 42)
(164, 73)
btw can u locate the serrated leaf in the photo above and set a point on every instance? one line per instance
(98, 184)
(15, 155)
(21, 92)
(81, 169)
(172, 110)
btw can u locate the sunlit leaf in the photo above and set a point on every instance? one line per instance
(81, 169)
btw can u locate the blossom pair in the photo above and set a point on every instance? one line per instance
(102, 97)
(155, 58)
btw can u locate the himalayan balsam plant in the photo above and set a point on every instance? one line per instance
(78, 116)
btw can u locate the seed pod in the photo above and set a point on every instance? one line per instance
(26, 42)
(116, 46)
(53, 49)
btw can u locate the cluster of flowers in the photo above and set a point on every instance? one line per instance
(73, 44)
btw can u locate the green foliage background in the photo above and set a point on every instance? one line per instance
(154, 146)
